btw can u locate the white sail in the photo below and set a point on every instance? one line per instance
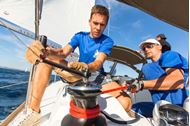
(60, 20)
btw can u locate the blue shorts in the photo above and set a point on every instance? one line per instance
(144, 108)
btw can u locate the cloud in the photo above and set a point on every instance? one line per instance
(3, 49)
(10, 45)
(5, 37)
(12, 39)
(146, 37)
(137, 24)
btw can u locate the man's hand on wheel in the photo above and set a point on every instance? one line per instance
(135, 86)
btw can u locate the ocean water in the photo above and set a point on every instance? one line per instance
(13, 89)
(11, 97)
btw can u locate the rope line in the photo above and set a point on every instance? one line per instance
(115, 89)
(10, 85)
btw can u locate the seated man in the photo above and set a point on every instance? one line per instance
(164, 77)
(93, 46)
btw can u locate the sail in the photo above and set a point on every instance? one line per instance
(60, 20)
(175, 12)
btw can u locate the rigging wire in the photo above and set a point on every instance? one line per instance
(13, 34)
(109, 8)
(19, 40)
(10, 85)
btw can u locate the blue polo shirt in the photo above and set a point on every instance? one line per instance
(90, 47)
(154, 70)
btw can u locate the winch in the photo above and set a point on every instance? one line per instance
(84, 108)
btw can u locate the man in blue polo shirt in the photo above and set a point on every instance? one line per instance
(165, 77)
(94, 47)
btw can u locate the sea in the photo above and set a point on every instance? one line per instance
(13, 89)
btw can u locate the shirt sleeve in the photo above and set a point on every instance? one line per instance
(74, 41)
(106, 46)
(171, 59)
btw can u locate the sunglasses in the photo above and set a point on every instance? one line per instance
(149, 46)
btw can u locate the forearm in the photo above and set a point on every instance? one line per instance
(94, 66)
(174, 80)
(159, 85)
(58, 54)
(97, 64)
(55, 54)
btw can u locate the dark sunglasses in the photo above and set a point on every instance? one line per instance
(149, 46)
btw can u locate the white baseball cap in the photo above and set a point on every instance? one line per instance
(153, 41)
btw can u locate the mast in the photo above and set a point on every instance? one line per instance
(38, 10)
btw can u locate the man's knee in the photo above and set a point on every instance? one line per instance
(43, 68)
(123, 98)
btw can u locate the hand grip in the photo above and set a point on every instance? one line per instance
(43, 40)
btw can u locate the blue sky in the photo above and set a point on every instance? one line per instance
(133, 26)
(128, 28)
(12, 51)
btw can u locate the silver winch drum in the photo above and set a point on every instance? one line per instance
(174, 115)
(167, 114)
(85, 95)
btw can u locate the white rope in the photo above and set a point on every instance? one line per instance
(10, 85)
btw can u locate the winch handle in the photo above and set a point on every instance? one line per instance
(85, 74)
